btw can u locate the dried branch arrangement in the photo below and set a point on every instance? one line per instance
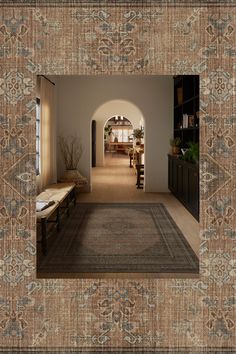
(71, 149)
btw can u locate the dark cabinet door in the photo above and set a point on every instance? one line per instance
(180, 189)
(171, 173)
(193, 189)
(175, 176)
(183, 181)
(174, 169)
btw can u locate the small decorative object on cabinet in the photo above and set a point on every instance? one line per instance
(183, 171)
(175, 144)
(71, 150)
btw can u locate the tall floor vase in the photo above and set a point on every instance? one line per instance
(76, 177)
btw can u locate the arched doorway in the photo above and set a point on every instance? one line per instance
(115, 109)
(107, 110)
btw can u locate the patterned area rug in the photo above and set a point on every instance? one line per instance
(117, 238)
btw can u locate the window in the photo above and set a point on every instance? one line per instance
(37, 136)
(122, 134)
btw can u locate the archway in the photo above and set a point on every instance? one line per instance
(107, 110)
(104, 112)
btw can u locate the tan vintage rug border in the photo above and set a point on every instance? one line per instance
(116, 315)
(114, 3)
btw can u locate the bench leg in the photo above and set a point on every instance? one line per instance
(68, 206)
(44, 236)
(74, 196)
(58, 219)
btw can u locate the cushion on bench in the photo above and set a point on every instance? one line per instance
(43, 204)
(55, 192)
(46, 213)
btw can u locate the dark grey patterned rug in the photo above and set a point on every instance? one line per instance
(132, 238)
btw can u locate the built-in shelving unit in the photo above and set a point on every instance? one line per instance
(186, 108)
(183, 176)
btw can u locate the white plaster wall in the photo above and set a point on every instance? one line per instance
(79, 99)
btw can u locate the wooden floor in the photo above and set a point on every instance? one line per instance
(115, 183)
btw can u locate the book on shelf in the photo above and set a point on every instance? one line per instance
(191, 121)
(180, 95)
(185, 120)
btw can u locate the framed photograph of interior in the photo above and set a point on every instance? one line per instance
(117, 207)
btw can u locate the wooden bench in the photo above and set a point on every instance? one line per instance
(62, 194)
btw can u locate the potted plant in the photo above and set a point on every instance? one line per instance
(138, 134)
(175, 144)
(107, 136)
(71, 151)
(192, 153)
(107, 132)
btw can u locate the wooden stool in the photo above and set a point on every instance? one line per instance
(140, 176)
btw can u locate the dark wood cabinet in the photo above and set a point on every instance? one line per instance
(193, 188)
(180, 185)
(183, 178)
